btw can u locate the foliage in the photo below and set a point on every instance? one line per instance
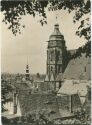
(15, 9)
(38, 118)
(31, 119)
(86, 49)
(38, 75)
(82, 116)
(6, 89)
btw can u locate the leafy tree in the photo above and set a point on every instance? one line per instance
(15, 9)
(6, 88)
(82, 116)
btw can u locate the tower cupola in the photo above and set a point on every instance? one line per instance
(56, 35)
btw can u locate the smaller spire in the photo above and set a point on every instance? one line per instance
(27, 73)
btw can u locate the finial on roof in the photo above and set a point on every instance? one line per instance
(56, 26)
(56, 17)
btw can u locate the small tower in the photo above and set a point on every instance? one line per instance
(27, 73)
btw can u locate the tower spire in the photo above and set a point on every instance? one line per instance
(56, 18)
(27, 71)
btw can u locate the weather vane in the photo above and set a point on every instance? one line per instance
(56, 15)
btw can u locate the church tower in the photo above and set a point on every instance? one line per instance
(55, 53)
(27, 73)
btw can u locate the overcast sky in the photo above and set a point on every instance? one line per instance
(32, 43)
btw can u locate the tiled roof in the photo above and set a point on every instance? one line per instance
(79, 68)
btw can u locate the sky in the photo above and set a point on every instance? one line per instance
(31, 44)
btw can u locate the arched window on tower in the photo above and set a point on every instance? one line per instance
(60, 84)
(52, 55)
(51, 68)
(85, 69)
(57, 55)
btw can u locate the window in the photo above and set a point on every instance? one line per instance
(60, 85)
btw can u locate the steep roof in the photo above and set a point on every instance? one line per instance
(79, 68)
(68, 88)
